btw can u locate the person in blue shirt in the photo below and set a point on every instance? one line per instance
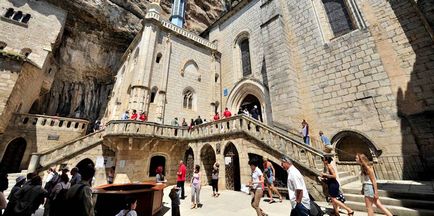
(326, 141)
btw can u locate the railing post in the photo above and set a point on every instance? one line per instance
(34, 163)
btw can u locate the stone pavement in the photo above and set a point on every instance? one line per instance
(229, 203)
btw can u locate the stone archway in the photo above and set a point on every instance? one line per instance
(208, 158)
(248, 93)
(12, 157)
(232, 167)
(156, 161)
(189, 163)
(348, 143)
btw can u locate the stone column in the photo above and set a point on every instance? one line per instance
(165, 71)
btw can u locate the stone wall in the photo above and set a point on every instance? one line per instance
(9, 72)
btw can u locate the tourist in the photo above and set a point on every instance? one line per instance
(111, 175)
(333, 187)
(143, 117)
(76, 176)
(4, 184)
(227, 113)
(160, 177)
(58, 196)
(198, 121)
(101, 125)
(190, 128)
(305, 132)
(215, 179)
(79, 196)
(240, 111)
(255, 113)
(216, 116)
(29, 197)
(269, 174)
(246, 112)
(256, 185)
(184, 123)
(370, 187)
(29, 177)
(174, 122)
(328, 148)
(175, 201)
(126, 115)
(96, 126)
(12, 200)
(130, 207)
(180, 180)
(134, 116)
(51, 181)
(195, 187)
(297, 190)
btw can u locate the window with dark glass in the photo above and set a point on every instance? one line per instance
(339, 16)
(18, 15)
(153, 94)
(9, 13)
(245, 57)
(26, 18)
(188, 100)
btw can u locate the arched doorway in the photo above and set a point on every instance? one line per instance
(84, 163)
(249, 102)
(348, 143)
(232, 167)
(156, 161)
(207, 157)
(13, 155)
(189, 163)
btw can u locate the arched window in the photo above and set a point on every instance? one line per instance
(339, 16)
(157, 161)
(188, 99)
(245, 57)
(26, 18)
(26, 52)
(18, 15)
(9, 13)
(190, 68)
(153, 93)
(158, 59)
(2, 45)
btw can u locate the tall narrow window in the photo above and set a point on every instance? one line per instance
(339, 16)
(153, 93)
(26, 18)
(188, 99)
(245, 57)
(9, 13)
(158, 59)
(18, 15)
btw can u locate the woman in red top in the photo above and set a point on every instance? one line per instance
(216, 116)
(227, 113)
(143, 117)
(134, 115)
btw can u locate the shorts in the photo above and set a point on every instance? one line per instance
(368, 190)
(270, 180)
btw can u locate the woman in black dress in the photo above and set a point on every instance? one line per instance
(333, 187)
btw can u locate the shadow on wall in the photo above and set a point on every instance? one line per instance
(416, 103)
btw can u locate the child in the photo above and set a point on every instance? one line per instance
(174, 196)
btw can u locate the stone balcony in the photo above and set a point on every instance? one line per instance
(32, 121)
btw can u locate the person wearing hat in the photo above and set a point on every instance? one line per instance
(76, 177)
(215, 179)
(12, 200)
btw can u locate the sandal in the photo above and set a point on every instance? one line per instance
(271, 201)
(193, 206)
(351, 213)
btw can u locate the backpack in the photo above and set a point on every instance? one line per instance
(315, 210)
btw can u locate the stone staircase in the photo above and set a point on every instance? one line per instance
(400, 197)
(11, 181)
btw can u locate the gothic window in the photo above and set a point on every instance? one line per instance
(153, 93)
(158, 59)
(245, 57)
(26, 18)
(188, 99)
(18, 15)
(9, 13)
(339, 16)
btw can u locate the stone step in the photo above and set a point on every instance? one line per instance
(328, 210)
(408, 203)
(344, 174)
(395, 210)
(348, 179)
(356, 188)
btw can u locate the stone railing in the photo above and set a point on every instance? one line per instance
(33, 121)
(45, 159)
(302, 154)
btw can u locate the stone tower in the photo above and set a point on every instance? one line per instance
(178, 12)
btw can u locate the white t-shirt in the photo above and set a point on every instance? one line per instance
(296, 182)
(255, 179)
(127, 213)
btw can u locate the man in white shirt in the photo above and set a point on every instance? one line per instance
(296, 189)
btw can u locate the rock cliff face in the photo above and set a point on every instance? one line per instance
(96, 35)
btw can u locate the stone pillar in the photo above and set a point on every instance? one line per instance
(163, 91)
(34, 163)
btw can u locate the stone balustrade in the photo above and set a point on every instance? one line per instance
(36, 121)
(237, 125)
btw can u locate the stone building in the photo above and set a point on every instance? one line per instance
(361, 71)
